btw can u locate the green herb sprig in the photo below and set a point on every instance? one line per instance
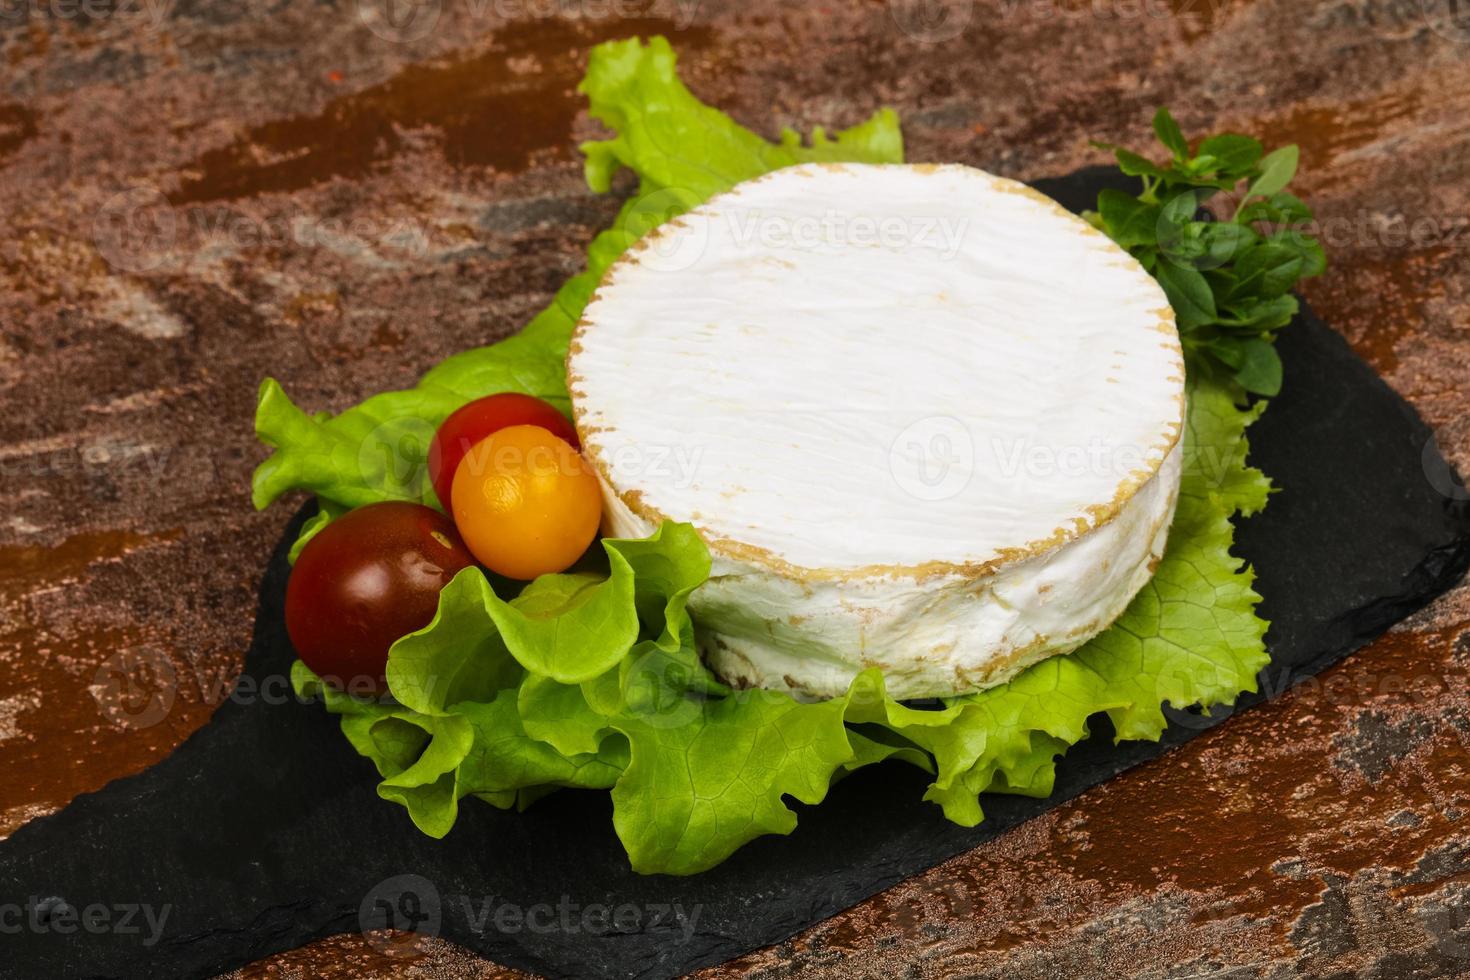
(1227, 276)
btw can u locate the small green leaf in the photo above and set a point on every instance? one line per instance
(1276, 171)
(1178, 210)
(1202, 164)
(1306, 248)
(1234, 154)
(1256, 210)
(1290, 208)
(1227, 349)
(1268, 269)
(1127, 220)
(1134, 165)
(1189, 294)
(326, 513)
(1258, 315)
(1314, 259)
(1167, 130)
(1225, 241)
(1260, 368)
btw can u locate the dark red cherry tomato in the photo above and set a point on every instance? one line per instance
(481, 419)
(366, 579)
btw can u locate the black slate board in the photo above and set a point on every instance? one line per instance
(263, 831)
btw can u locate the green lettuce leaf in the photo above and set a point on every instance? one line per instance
(1191, 635)
(694, 792)
(593, 680)
(326, 513)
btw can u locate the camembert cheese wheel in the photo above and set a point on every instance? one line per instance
(925, 419)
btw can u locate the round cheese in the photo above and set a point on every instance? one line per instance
(925, 419)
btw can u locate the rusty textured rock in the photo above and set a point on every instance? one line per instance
(200, 194)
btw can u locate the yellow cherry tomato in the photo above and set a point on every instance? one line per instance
(525, 502)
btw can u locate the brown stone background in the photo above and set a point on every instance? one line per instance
(199, 193)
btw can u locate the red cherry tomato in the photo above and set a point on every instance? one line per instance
(366, 579)
(482, 418)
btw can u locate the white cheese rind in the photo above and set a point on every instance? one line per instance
(925, 419)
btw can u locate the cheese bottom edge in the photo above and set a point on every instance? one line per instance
(933, 636)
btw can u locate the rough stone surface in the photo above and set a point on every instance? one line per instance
(198, 194)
